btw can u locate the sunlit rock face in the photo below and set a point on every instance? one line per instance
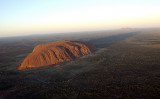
(56, 52)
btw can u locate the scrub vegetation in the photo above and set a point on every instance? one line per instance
(125, 65)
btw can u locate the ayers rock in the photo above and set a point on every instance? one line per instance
(56, 52)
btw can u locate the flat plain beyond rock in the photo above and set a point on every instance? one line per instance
(56, 52)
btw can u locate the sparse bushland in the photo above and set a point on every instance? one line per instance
(126, 69)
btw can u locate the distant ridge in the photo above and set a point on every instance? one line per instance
(128, 28)
(56, 52)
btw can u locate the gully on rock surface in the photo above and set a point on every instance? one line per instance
(56, 52)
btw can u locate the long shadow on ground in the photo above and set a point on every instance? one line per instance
(107, 41)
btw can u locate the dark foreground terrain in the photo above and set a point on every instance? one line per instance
(125, 65)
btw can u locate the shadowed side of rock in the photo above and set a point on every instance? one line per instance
(56, 52)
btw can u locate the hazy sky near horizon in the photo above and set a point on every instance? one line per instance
(24, 17)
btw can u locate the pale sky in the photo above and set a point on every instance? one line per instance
(25, 17)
